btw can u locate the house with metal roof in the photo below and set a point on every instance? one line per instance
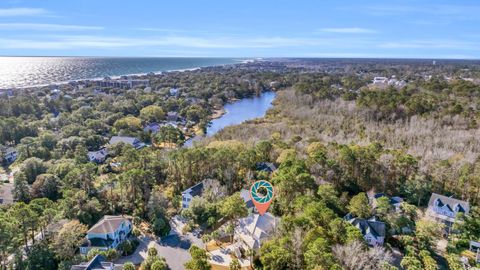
(108, 233)
(373, 231)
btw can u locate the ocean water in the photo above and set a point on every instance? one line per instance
(18, 72)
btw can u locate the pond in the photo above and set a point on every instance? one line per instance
(238, 112)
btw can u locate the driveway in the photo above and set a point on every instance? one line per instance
(174, 248)
(6, 196)
(140, 253)
(223, 258)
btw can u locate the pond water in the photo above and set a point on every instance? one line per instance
(238, 112)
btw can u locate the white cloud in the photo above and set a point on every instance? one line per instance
(432, 44)
(153, 29)
(87, 41)
(46, 27)
(349, 30)
(13, 12)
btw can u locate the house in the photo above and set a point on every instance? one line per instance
(174, 91)
(265, 167)
(152, 128)
(380, 80)
(123, 83)
(475, 248)
(98, 156)
(97, 263)
(137, 144)
(188, 194)
(245, 194)
(255, 229)
(445, 209)
(373, 231)
(394, 201)
(172, 116)
(108, 233)
(10, 155)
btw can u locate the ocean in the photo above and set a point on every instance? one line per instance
(20, 72)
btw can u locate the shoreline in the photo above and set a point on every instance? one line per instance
(116, 77)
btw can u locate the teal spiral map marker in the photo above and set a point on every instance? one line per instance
(261, 200)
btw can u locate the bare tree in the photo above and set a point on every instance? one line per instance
(356, 256)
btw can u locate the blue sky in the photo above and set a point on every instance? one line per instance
(246, 28)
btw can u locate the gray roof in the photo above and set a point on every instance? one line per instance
(373, 226)
(124, 139)
(450, 202)
(245, 194)
(108, 224)
(98, 155)
(97, 263)
(152, 127)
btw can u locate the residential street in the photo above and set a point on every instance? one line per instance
(174, 248)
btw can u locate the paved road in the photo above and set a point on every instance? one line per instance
(174, 248)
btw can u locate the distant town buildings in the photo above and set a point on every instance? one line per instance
(384, 82)
(174, 91)
(122, 83)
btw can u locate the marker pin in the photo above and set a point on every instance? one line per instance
(261, 201)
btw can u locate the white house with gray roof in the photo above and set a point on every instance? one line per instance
(188, 194)
(256, 229)
(108, 233)
(445, 209)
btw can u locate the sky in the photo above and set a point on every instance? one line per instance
(242, 28)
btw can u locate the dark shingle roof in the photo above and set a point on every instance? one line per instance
(98, 262)
(196, 190)
(265, 166)
(376, 228)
